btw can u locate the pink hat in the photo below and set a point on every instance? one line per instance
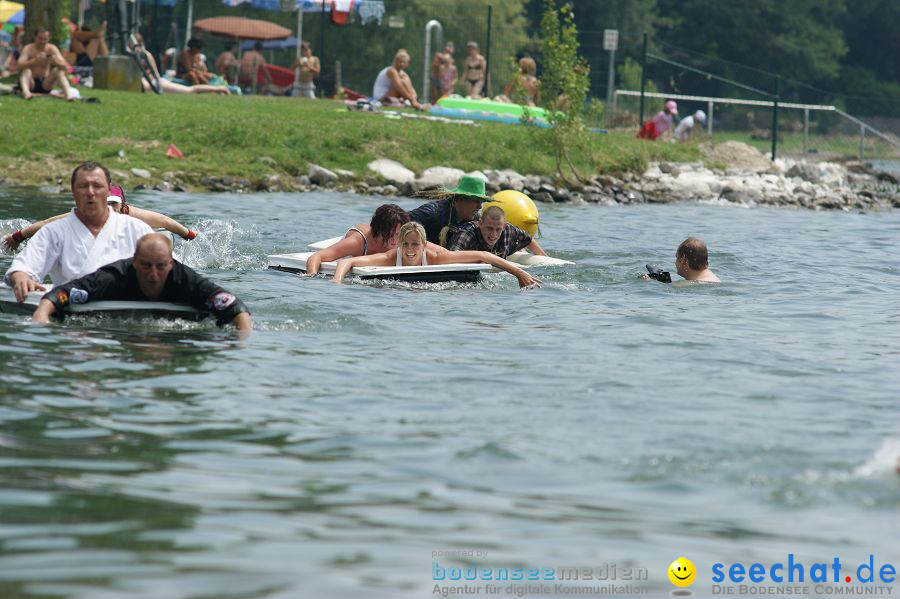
(115, 194)
(672, 106)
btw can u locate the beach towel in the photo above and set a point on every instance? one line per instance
(340, 11)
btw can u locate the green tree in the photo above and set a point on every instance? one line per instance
(564, 84)
(798, 39)
(43, 14)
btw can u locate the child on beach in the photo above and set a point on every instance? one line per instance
(660, 123)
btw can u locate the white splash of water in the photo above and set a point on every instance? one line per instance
(886, 459)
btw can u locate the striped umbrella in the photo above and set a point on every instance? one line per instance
(10, 10)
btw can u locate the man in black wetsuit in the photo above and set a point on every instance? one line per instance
(151, 275)
(442, 218)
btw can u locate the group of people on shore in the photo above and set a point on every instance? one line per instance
(41, 67)
(251, 72)
(393, 86)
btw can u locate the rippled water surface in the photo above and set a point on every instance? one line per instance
(362, 427)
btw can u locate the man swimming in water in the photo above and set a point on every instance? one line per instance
(692, 261)
(493, 234)
(151, 275)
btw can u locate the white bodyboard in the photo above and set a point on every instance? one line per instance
(8, 303)
(430, 273)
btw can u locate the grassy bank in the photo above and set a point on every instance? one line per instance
(44, 138)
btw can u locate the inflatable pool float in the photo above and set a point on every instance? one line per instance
(119, 309)
(515, 110)
(488, 110)
(518, 208)
(431, 273)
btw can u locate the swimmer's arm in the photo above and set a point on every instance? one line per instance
(44, 311)
(242, 322)
(535, 249)
(348, 246)
(157, 220)
(345, 265)
(9, 243)
(525, 279)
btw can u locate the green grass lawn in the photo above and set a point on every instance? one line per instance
(43, 139)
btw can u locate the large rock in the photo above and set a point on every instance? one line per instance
(438, 176)
(697, 184)
(392, 171)
(739, 155)
(805, 171)
(321, 175)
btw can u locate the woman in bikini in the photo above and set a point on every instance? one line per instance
(415, 251)
(475, 68)
(380, 235)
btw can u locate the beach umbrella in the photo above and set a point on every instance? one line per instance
(242, 28)
(10, 9)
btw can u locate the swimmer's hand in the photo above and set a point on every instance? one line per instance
(658, 274)
(526, 281)
(12, 241)
(23, 285)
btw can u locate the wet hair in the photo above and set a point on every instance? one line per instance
(258, 46)
(230, 46)
(305, 46)
(492, 212)
(151, 237)
(410, 227)
(527, 65)
(90, 165)
(695, 252)
(195, 42)
(386, 219)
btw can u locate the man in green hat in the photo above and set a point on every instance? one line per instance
(442, 217)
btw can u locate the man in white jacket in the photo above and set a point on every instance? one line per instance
(91, 236)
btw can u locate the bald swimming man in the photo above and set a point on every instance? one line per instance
(152, 275)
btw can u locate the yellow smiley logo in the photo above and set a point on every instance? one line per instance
(682, 572)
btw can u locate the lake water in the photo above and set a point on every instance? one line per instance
(361, 428)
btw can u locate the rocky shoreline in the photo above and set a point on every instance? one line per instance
(731, 172)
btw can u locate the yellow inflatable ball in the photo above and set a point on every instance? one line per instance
(519, 209)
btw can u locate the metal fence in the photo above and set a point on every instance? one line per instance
(811, 130)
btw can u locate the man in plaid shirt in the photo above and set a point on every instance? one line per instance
(493, 234)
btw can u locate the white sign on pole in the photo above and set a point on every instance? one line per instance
(611, 39)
